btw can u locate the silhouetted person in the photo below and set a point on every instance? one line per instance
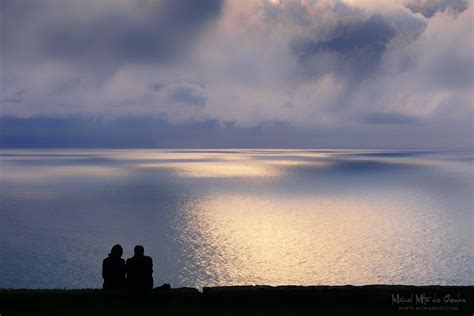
(139, 270)
(113, 270)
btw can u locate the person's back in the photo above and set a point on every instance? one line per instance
(139, 270)
(113, 270)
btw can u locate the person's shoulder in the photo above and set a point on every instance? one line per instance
(147, 258)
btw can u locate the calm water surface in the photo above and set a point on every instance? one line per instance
(215, 217)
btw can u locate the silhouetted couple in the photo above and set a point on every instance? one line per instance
(135, 274)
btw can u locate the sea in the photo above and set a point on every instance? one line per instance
(238, 216)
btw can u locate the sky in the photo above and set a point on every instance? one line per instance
(212, 73)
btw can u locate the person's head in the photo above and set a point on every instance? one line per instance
(138, 250)
(117, 251)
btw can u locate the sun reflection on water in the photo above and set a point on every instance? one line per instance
(214, 169)
(228, 169)
(270, 240)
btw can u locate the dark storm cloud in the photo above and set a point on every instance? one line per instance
(88, 31)
(430, 7)
(354, 47)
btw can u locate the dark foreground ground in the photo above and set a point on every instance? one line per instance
(246, 300)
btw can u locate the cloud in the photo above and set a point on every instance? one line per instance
(353, 48)
(156, 132)
(431, 7)
(15, 98)
(350, 67)
(107, 32)
(187, 95)
(156, 86)
(426, 78)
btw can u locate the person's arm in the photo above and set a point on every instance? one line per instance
(104, 269)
